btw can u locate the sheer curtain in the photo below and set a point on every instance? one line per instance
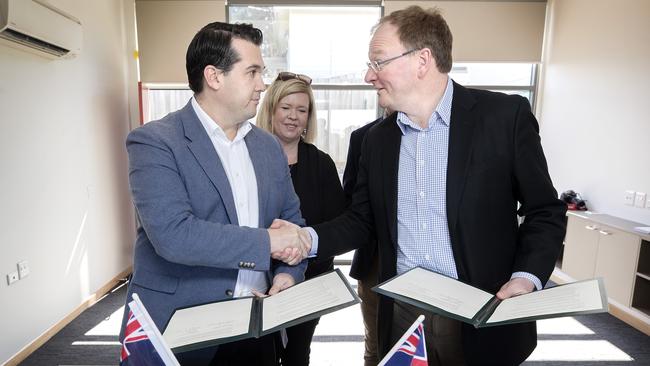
(160, 102)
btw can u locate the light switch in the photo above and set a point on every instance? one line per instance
(639, 199)
(629, 197)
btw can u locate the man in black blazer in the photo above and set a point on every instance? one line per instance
(365, 260)
(482, 151)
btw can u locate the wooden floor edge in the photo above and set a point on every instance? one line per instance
(21, 355)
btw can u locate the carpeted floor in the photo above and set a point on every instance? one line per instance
(589, 340)
(95, 349)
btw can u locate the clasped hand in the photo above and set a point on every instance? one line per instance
(289, 243)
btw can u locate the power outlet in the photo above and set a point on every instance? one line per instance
(12, 277)
(629, 197)
(639, 199)
(23, 269)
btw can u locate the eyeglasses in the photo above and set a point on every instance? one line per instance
(285, 75)
(377, 65)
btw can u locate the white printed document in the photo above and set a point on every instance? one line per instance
(229, 320)
(449, 297)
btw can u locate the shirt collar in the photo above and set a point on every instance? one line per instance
(443, 110)
(213, 129)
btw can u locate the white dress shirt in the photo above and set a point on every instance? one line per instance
(241, 175)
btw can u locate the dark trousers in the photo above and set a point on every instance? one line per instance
(369, 304)
(299, 344)
(247, 352)
(442, 335)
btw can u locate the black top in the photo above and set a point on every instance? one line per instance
(317, 184)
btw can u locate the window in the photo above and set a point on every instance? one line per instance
(294, 39)
(160, 101)
(336, 61)
(509, 78)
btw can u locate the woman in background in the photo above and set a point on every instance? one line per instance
(288, 112)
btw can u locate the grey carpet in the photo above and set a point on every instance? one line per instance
(60, 351)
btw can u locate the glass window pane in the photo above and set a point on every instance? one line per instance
(523, 93)
(510, 74)
(295, 40)
(339, 112)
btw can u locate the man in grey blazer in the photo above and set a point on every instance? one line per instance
(206, 185)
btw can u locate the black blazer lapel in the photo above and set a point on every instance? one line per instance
(461, 135)
(203, 150)
(389, 147)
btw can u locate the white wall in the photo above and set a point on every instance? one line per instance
(65, 205)
(595, 93)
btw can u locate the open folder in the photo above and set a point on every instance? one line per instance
(229, 320)
(449, 297)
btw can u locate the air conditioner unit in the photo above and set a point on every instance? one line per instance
(36, 26)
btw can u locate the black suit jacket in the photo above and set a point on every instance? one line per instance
(495, 162)
(364, 256)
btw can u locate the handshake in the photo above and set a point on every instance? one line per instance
(289, 242)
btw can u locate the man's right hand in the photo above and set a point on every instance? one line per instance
(287, 242)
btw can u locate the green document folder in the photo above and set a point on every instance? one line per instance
(449, 297)
(225, 321)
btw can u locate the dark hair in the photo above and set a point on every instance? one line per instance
(212, 45)
(418, 28)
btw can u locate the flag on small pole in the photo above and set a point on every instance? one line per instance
(143, 344)
(410, 350)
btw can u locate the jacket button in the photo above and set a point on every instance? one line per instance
(228, 292)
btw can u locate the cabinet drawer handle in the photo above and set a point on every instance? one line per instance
(591, 227)
(604, 232)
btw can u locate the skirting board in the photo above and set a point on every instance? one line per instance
(631, 316)
(90, 301)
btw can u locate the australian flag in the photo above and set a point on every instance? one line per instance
(410, 350)
(143, 344)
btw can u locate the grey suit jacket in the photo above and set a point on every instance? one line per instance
(189, 246)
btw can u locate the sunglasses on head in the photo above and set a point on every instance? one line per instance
(285, 75)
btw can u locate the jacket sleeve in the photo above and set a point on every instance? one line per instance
(352, 229)
(540, 236)
(166, 213)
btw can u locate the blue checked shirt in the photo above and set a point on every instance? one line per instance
(422, 230)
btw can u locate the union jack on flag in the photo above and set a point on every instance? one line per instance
(143, 344)
(410, 350)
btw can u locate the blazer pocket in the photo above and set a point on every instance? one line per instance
(156, 282)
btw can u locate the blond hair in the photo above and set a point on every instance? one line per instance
(278, 90)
